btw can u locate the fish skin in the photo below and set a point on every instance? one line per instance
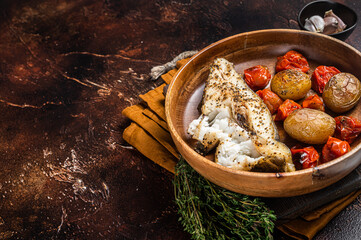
(226, 90)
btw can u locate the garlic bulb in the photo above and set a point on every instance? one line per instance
(315, 24)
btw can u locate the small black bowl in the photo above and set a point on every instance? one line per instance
(348, 16)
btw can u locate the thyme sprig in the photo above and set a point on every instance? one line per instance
(208, 211)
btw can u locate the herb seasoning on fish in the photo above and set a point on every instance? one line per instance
(240, 127)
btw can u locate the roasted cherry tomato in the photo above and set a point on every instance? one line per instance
(257, 77)
(292, 60)
(334, 148)
(314, 102)
(347, 128)
(272, 101)
(320, 77)
(304, 157)
(285, 109)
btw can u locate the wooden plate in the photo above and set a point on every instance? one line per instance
(246, 50)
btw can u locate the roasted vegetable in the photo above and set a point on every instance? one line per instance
(347, 128)
(291, 84)
(321, 76)
(272, 101)
(257, 77)
(292, 60)
(334, 148)
(314, 102)
(342, 92)
(309, 126)
(304, 158)
(286, 108)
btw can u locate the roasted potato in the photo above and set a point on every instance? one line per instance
(310, 126)
(291, 84)
(342, 92)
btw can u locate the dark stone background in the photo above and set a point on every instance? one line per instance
(67, 70)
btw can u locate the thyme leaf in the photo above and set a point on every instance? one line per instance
(208, 211)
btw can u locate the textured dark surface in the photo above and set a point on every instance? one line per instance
(67, 70)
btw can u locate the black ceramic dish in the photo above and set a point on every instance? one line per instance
(348, 16)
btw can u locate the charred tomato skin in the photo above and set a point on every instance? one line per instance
(304, 158)
(315, 102)
(347, 128)
(292, 60)
(334, 148)
(286, 108)
(272, 101)
(321, 76)
(257, 77)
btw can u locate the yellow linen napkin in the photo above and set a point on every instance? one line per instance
(149, 134)
(149, 147)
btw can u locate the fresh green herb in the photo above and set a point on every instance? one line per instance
(208, 211)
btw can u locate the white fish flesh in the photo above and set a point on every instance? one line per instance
(236, 122)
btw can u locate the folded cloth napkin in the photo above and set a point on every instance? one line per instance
(149, 134)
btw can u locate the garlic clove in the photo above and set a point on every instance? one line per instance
(331, 25)
(315, 24)
(341, 25)
(309, 26)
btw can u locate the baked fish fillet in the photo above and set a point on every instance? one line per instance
(238, 124)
